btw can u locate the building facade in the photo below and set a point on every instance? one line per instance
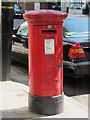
(40, 5)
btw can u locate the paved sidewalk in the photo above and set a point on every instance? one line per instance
(14, 103)
(76, 11)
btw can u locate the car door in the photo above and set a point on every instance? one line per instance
(20, 47)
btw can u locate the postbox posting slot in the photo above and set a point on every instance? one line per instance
(49, 31)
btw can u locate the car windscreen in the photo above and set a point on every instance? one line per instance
(75, 27)
(16, 6)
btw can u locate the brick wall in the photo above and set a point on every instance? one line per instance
(30, 5)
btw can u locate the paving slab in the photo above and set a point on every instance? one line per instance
(14, 103)
(81, 99)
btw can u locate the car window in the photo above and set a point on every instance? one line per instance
(23, 29)
(16, 6)
(75, 27)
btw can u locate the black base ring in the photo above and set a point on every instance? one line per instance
(46, 105)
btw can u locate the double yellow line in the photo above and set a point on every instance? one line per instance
(7, 7)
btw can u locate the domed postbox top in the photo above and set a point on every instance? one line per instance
(44, 17)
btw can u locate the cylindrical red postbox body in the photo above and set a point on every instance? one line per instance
(45, 61)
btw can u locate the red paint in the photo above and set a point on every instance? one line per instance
(45, 70)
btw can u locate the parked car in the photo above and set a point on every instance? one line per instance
(76, 45)
(20, 43)
(18, 12)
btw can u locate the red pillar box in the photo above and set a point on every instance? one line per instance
(45, 61)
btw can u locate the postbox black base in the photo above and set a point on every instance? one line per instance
(46, 105)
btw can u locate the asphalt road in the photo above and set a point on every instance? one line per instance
(72, 87)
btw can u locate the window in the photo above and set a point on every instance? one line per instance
(75, 27)
(23, 29)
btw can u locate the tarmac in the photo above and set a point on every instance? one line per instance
(14, 101)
